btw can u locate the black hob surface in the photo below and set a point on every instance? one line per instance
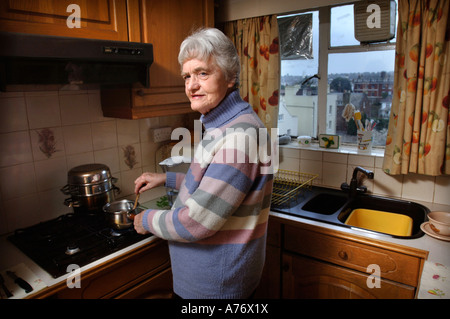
(72, 239)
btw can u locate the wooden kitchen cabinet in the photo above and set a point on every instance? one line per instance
(322, 263)
(308, 278)
(100, 19)
(269, 286)
(165, 24)
(142, 273)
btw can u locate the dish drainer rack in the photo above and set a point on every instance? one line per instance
(288, 185)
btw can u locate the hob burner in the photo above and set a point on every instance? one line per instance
(69, 239)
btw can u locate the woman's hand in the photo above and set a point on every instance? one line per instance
(148, 181)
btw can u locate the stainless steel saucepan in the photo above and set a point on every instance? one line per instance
(121, 213)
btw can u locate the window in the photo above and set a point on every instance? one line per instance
(362, 75)
(299, 96)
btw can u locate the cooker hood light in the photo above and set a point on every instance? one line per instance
(39, 59)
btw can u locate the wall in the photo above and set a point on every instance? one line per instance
(229, 10)
(32, 172)
(31, 177)
(335, 167)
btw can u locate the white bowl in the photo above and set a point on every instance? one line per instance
(440, 222)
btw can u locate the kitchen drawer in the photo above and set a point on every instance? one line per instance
(156, 287)
(352, 254)
(116, 277)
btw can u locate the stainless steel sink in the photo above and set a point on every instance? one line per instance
(334, 206)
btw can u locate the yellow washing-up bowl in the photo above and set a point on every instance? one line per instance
(384, 222)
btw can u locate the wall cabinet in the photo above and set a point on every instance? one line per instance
(165, 24)
(100, 19)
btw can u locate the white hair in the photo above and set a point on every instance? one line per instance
(210, 42)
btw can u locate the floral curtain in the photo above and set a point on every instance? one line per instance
(418, 139)
(256, 40)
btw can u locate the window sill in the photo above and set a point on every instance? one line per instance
(343, 149)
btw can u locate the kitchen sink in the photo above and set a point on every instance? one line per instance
(325, 203)
(398, 208)
(391, 217)
(385, 222)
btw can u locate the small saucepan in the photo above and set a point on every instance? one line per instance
(120, 213)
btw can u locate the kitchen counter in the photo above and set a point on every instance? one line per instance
(438, 253)
(11, 258)
(435, 279)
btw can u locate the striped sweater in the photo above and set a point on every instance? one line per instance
(216, 229)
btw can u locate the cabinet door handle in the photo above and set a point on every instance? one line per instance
(343, 255)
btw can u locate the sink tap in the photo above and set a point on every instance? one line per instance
(354, 188)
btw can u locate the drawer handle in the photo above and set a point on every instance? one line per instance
(343, 255)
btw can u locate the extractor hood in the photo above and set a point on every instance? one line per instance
(39, 59)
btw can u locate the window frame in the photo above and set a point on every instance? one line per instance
(325, 49)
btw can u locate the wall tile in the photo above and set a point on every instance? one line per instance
(127, 132)
(79, 159)
(335, 157)
(311, 155)
(15, 148)
(77, 139)
(442, 190)
(75, 109)
(22, 212)
(95, 107)
(43, 109)
(12, 180)
(130, 156)
(47, 143)
(52, 204)
(148, 154)
(13, 114)
(109, 157)
(387, 185)
(51, 173)
(379, 162)
(312, 167)
(145, 127)
(365, 161)
(334, 174)
(104, 135)
(418, 187)
(127, 181)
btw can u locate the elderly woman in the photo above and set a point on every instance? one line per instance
(216, 229)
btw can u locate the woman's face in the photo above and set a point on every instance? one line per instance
(205, 84)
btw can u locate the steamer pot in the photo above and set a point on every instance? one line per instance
(90, 186)
(90, 204)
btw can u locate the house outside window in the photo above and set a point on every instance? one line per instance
(350, 72)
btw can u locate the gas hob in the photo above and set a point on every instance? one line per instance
(72, 239)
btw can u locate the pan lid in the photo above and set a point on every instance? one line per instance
(89, 174)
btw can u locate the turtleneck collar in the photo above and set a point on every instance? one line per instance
(231, 106)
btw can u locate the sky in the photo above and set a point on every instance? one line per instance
(341, 23)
